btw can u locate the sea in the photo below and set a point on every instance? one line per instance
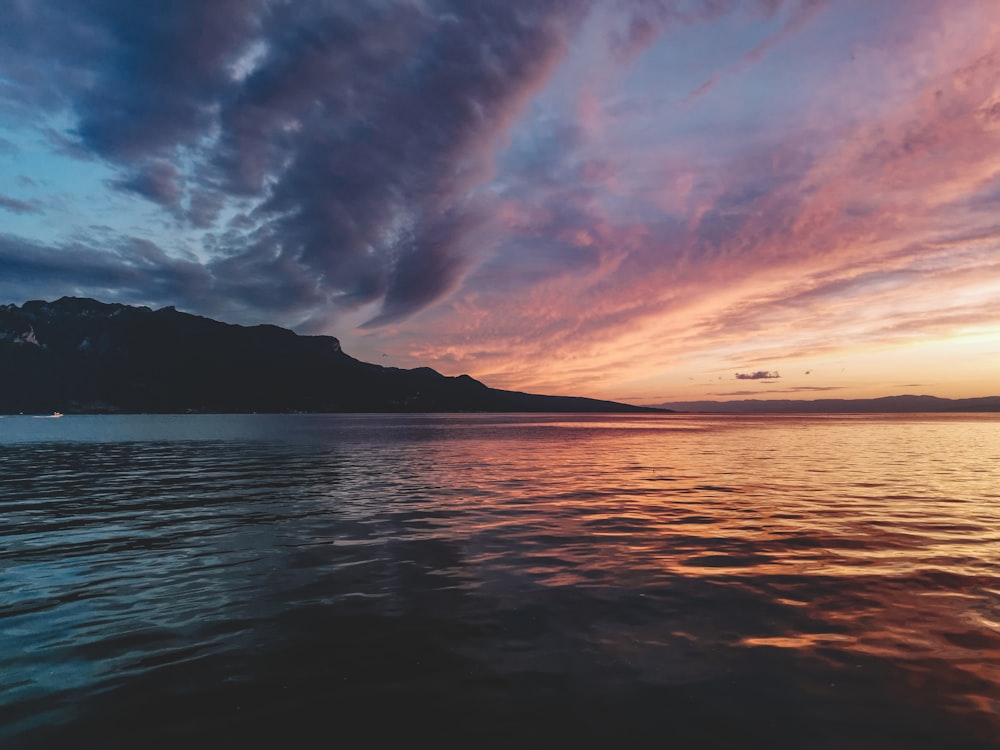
(500, 581)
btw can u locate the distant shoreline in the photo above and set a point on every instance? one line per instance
(635, 412)
(903, 404)
(638, 410)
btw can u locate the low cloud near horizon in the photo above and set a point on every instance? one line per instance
(758, 375)
(772, 391)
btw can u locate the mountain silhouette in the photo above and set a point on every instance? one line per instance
(84, 356)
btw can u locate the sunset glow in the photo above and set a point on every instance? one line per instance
(629, 200)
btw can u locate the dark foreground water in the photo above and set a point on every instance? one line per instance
(500, 581)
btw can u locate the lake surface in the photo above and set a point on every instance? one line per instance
(500, 581)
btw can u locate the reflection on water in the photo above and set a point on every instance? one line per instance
(485, 581)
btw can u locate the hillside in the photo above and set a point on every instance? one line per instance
(84, 356)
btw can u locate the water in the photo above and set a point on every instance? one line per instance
(500, 581)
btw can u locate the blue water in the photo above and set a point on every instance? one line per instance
(500, 581)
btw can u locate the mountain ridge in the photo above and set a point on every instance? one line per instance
(80, 355)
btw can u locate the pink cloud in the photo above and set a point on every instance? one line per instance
(638, 248)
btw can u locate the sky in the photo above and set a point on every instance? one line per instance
(639, 200)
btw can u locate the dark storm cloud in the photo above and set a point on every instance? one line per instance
(131, 270)
(246, 280)
(137, 271)
(166, 71)
(376, 205)
(427, 265)
(140, 77)
(758, 375)
(350, 133)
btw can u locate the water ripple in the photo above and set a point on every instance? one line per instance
(706, 582)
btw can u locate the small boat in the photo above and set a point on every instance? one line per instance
(56, 414)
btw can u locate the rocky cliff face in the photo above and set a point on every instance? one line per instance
(81, 355)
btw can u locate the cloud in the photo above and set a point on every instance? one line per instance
(248, 287)
(353, 137)
(798, 14)
(427, 264)
(379, 207)
(526, 176)
(132, 270)
(772, 391)
(18, 206)
(354, 131)
(204, 207)
(157, 181)
(758, 375)
(777, 230)
(808, 389)
(67, 146)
